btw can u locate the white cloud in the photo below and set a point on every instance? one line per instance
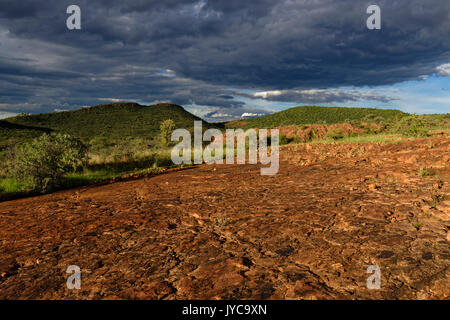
(4, 114)
(252, 115)
(320, 95)
(110, 99)
(266, 94)
(444, 70)
(220, 115)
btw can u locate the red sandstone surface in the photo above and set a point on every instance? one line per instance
(226, 232)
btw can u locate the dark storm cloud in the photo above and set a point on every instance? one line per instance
(194, 52)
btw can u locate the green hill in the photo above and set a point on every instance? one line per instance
(12, 133)
(114, 122)
(317, 115)
(122, 139)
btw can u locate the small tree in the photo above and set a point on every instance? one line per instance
(411, 126)
(166, 128)
(41, 163)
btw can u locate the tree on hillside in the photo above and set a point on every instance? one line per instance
(166, 128)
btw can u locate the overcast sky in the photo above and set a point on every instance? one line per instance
(223, 58)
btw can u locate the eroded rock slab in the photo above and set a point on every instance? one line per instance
(226, 232)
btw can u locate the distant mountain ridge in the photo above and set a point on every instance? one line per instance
(316, 115)
(106, 124)
(127, 120)
(115, 121)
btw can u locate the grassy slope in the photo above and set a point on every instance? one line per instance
(313, 115)
(118, 136)
(438, 121)
(114, 121)
(12, 133)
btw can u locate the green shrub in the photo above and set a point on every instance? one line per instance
(285, 140)
(41, 163)
(369, 118)
(166, 128)
(411, 126)
(8, 185)
(310, 136)
(424, 172)
(335, 135)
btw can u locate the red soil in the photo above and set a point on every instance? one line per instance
(226, 232)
